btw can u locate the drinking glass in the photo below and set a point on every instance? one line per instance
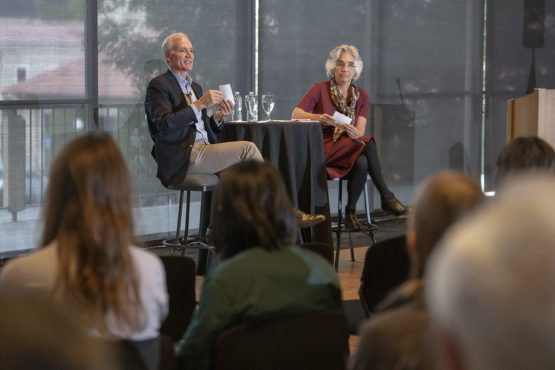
(251, 102)
(247, 106)
(253, 107)
(268, 103)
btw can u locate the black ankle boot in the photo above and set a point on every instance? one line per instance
(351, 221)
(392, 205)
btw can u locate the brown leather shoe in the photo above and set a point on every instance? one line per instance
(305, 220)
(392, 205)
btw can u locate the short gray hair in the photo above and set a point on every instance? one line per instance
(167, 45)
(336, 53)
(489, 284)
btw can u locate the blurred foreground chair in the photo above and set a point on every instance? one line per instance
(180, 282)
(151, 354)
(314, 340)
(386, 266)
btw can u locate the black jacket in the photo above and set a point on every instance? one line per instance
(171, 123)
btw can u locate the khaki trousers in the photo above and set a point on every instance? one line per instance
(213, 158)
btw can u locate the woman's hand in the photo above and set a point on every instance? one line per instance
(326, 119)
(352, 132)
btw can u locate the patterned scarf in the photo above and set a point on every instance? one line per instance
(343, 106)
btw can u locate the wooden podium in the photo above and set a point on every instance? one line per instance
(532, 115)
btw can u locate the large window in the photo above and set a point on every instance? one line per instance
(438, 73)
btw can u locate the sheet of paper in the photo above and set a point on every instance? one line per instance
(341, 118)
(226, 91)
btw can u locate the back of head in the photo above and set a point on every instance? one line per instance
(490, 282)
(252, 209)
(524, 154)
(441, 200)
(88, 193)
(88, 214)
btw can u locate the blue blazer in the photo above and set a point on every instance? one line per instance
(171, 123)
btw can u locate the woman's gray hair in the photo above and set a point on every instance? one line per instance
(167, 45)
(336, 53)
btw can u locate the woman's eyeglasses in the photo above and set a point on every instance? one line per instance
(341, 63)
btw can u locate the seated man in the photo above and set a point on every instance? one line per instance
(185, 137)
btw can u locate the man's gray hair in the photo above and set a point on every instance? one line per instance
(336, 53)
(490, 285)
(167, 45)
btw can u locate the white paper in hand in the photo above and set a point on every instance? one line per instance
(226, 91)
(341, 119)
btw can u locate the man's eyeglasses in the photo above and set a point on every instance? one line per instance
(185, 50)
(341, 63)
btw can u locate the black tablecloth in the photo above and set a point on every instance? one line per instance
(297, 150)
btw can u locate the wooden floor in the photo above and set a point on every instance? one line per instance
(349, 277)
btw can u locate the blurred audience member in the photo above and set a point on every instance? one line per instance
(524, 154)
(490, 284)
(261, 276)
(396, 338)
(86, 259)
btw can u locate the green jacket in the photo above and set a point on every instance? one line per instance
(256, 285)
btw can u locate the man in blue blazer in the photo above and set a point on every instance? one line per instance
(185, 138)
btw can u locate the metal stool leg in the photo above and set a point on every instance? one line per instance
(186, 236)
(368, 216)
(178, 228)
(339, 221)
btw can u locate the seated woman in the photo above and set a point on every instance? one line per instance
(348, 152)
(395, 337)
(86, 258)
(261, 276)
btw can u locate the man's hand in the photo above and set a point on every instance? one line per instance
(226, 108)
(209, 98)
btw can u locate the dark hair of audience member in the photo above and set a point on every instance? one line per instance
(88, 213)
(252, 210)
(441, 201)
(524, 154)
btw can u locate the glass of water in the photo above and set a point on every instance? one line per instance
(268, 104)
(251, 103)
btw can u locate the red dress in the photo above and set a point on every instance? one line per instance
(341, 154)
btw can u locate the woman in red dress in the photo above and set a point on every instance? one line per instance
(348, 152)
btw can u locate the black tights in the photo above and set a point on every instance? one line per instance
(366, 163)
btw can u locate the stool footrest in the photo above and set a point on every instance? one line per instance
(193, 243)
